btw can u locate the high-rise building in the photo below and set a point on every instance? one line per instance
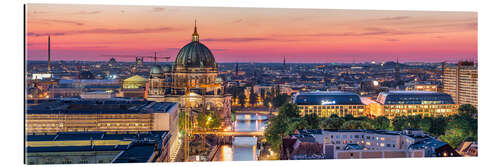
(461, 82)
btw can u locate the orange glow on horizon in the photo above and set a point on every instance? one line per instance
(99, 32)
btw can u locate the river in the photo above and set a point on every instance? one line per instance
(243, 148)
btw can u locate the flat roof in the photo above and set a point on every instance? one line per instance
(137, 152)
(327, 98)
(67, 136)
(414, 97)
(99, 106)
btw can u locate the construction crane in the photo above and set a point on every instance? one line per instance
(155, 57)
(187, 121)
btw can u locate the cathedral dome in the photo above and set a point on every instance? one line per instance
(156, 69)
(195, 55)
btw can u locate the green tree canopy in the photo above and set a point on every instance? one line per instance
(332, 123)
(356, 124)
(381, 123)
(312, 120)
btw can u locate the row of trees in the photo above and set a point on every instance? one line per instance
(204, 120)
(273, 97)
(453, 129)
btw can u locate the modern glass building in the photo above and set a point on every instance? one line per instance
(326, 103)
(408, 103)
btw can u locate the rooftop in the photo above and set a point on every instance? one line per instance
(327, 98)
(414, 97)
(96, 106)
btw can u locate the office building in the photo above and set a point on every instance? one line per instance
(326, 103)
(407, 103)
(113, 115)
(461, 82)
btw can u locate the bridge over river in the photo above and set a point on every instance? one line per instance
(247, 129)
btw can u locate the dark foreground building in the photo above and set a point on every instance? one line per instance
(97, 147)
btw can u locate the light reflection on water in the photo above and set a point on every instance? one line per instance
(243, 148)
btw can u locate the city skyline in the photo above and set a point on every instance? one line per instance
(97, 33)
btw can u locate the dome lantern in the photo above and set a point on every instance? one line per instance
(196, 37)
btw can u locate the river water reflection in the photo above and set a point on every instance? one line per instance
(243, 148)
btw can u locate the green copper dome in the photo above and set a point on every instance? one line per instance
(156, 69)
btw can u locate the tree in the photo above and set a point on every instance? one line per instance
(277, 129)
(280, 100)
(453, 137)
(253, 97)
(241, 99)
(312, 120)
(262, 94)
(399, 123)
(348, 117)
(334, 116)
(287, 121)
(332, 123)
(438, 126)
(298, 123)
(214, 121)
(425, 124)
(468, 110)
(381, 122)
(356, 124)
(201, 120)
(289, 110)
(460, 127)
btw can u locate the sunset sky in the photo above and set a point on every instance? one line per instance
(97, 32)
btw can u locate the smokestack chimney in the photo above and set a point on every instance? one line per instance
(48, 64)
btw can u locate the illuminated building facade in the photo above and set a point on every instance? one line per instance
(134, 82)
(194, 69)
(461, 83)
(357, 144)
(422, 86)
(100, 115)
(324, 104)
(407, 103)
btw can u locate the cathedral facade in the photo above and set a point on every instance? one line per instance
(192, 80)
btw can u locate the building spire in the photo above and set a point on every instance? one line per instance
(155, 58)
(196, 37)
(48, 56)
